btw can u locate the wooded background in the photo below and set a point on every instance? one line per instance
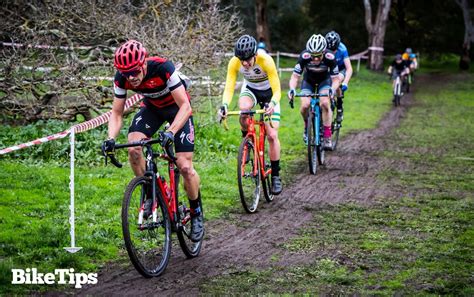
(37, 84)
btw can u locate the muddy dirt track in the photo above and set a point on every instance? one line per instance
(248, 241)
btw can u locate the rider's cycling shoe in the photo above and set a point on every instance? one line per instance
(339, 116)
(197, 226)
(276, 185)
(327, 144)
(148, 208)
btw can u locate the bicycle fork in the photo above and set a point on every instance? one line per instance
(317, 114)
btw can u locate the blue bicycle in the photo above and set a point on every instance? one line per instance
(315, 132)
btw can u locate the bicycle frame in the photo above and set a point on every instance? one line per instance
(397, 87)
(151, 171)
(259, 140)
(316, 110)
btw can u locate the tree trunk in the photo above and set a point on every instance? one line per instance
(376, 32)
(262, 24)
(468, 35)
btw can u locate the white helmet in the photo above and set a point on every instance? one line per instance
(316, 44)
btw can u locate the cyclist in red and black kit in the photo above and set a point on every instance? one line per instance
(320, 69)
(165, 100)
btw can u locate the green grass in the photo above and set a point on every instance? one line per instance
(421, 244)
(34, 193)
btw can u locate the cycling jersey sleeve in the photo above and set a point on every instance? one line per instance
(169, 75)
(273, 79)
(303, 59)
(119, 86)
(232, 72)
(330, 60)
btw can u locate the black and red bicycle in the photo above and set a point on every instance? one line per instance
(147, 235)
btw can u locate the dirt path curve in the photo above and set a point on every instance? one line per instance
(249, 241)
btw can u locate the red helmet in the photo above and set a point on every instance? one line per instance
(130, 56)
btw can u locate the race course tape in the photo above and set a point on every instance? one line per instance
(82, 127)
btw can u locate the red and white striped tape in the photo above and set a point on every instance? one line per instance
(88, 125)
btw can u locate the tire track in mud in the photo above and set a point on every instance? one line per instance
(241, 240)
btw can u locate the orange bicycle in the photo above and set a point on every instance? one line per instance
(253, 165)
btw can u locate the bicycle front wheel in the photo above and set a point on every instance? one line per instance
(248, 176)
(190, 248)
(312, 144)
(148, 244)
(266, 180)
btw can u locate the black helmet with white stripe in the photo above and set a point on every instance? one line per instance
(333, 39)
(316, 44)
(245, 47)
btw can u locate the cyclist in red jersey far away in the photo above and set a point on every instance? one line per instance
(165, 99)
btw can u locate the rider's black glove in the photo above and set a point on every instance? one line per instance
(108, 147)
(167, 139)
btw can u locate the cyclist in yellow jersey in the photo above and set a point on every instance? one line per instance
(261, 86)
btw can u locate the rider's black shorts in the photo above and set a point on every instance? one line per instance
(309, 87)
(149, 119)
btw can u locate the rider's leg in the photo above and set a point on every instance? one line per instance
(245, 103)
(135, 154)
(274, 147)
(191, 179)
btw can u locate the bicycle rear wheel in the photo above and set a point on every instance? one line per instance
(320, 152)
(248, 176)
(149, 244)
(190, 249)
(312, 144)
(266, 180)
(335, 127)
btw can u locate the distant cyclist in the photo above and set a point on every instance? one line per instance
(320, 69)
(261, 86)
(398, 67)
(262, 47)
(345, 69)
(410, 59)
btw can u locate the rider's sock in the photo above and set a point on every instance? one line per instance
(194, 207)
(275, 168)
(327, 132)
(305, 124)
(244, 133)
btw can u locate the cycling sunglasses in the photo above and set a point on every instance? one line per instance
(316, 55)
(133, 73)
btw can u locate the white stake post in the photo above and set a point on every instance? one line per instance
(72, 248)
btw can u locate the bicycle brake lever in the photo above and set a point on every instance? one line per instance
(115, 161)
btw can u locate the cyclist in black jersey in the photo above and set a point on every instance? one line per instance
(165, 99)
(320, 69)
(398, 67)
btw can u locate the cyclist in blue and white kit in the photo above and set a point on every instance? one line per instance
(345, 68)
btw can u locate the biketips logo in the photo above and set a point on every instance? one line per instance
(60, 276)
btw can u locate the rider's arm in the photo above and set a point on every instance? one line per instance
(232, 72)
(116, 117)
(118, 105)
(293, 80)
(349, 71)
(182, 100)
(389, 70)
(274, 80)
